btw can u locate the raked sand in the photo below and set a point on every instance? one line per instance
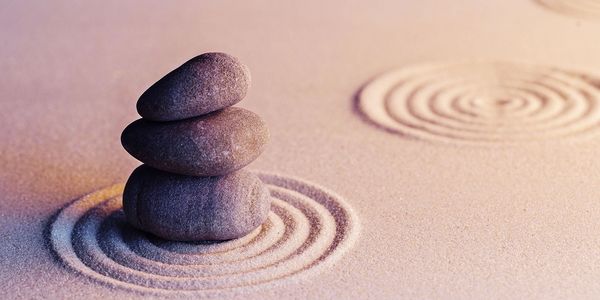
(419, 149)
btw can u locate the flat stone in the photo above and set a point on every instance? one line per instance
(210, 145)
(187, 208)
(203, 84)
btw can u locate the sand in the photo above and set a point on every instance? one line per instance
(307, 230)
(445, 207)
(484, 102)
(577, 8)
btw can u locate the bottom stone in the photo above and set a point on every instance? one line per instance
(188, 208)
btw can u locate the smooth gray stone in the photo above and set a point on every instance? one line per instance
(187, 208)
(210, 145)
(203, 84)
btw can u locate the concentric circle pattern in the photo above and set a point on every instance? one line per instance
(582, 8)
(308, 228)
(483, 103)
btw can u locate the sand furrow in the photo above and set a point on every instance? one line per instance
(483, 103)
(307, 228)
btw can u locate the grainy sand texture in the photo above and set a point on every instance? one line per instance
(484, 102)
(307, 230)
(419, 149)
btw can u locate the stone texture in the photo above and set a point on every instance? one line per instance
(203, 84)
(210, 145)
(189, 208)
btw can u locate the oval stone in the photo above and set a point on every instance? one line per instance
(188, 208)
(210, 145)
(203, 84)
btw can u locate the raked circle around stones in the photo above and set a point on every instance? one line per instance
(308, 228)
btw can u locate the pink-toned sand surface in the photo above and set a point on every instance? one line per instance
(443, 214)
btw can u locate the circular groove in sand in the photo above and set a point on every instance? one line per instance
(581, 8)
(308, 228)
(483, 102)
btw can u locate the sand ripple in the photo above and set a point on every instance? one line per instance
(583, 8)
(307, 228)
(483, 102)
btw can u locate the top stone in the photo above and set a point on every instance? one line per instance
(203, 84)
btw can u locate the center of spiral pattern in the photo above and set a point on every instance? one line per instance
(308, 228)
(483, 102)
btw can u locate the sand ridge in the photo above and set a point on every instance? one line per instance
(308, 228)
(484, 102)
(581, 8)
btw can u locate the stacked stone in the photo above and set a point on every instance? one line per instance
(191, 186)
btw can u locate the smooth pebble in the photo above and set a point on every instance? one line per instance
(203, 84)
(188, 208)
(211, 145)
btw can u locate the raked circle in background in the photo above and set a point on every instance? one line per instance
(307, 229)
(483, 102)
(581, 8)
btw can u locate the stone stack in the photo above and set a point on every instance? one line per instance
(191, 186)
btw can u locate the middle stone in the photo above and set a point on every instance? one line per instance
(214, 144)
